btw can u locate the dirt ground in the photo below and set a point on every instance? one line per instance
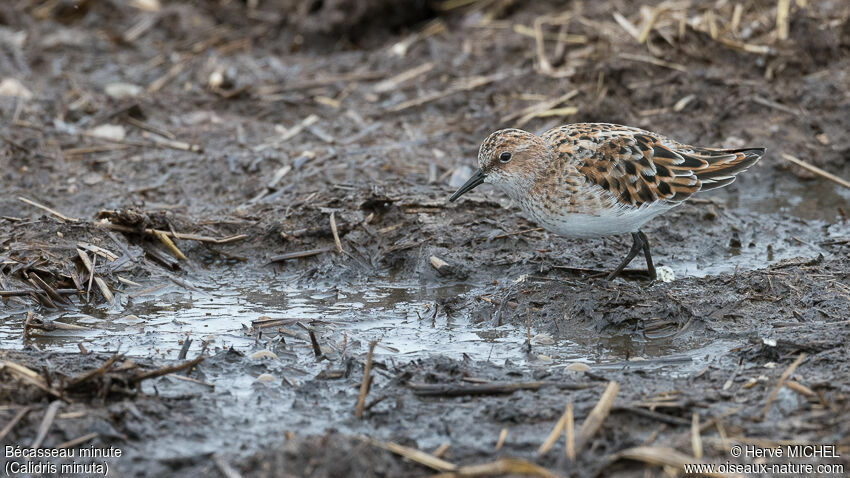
(180, 141)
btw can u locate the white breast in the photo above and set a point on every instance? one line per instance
(606, 223)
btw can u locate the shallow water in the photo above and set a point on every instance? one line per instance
(400, 317)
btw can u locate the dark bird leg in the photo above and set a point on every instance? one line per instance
(650, 267)
(636, 246)
(640, 242)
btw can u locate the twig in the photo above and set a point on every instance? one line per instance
(75, 382)
(367, 381)
(49, 416)
(176, 235)
(78, 441)
(413, 454)
(816, 170)
(171, 246)
(594, 421)
(654, 61)
(336, 234)
(317, 351)
(696, 440)
(570, 432)
(783, 9)
(787, 373)
(461, 389)
(526, 114)
(59, 215)
(461, 86)
(14, 421)
(775, 105)
(30, 377)
(393, 82)
(656, 455)
(104, 289)
(167, 370)
(555, 433)
(500, 467)
(296, 255)
(501, 441)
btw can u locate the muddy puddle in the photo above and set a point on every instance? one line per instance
(405, 318)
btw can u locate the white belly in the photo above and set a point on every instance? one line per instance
(608, 223)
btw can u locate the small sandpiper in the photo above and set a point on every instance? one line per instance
(590, 180)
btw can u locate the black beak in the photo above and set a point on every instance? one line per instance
(476, 179)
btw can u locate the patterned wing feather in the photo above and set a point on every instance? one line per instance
(640, 167)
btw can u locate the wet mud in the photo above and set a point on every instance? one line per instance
(264, 188)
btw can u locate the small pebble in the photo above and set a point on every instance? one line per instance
(578, 367)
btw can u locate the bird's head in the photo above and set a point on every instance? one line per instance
(510, 159)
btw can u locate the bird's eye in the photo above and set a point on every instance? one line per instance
(505, 157)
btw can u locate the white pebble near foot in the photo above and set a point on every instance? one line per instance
(665, 274)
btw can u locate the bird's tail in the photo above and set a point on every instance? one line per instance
(723, 165)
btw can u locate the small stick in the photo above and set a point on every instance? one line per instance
(91, 275)
(775, 105)
(184, 349)
(317, 351)
(176, 235)
(657, 455)
(172, 72)
(816, 170)
(193, 380)
(167, 370)
(466, 84)
(650, 22)
(530, 112)
(392, 83)
(172, 247)
(501, 441)
(441, 450)
(569, 430)
(30, 315)
(31, 377)
(457, 390)
(336, 234)
(627, 25)
(787, 373)
(367, 380)
(696, 440)
(654, 61)
(783, 9)
(413, 454)
(297, 255)
(86, 261)
(104, 289)
(594, 421)
(78, 441)
(73, 383)
(500, 467)
(799, 388)
(49, 416)
(59, 215)
(554, 434)
(50, 291)
(14, 421)
(147, 291)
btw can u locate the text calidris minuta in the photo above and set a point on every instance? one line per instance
(597, 179)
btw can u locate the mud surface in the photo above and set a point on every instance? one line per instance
(241, 135)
